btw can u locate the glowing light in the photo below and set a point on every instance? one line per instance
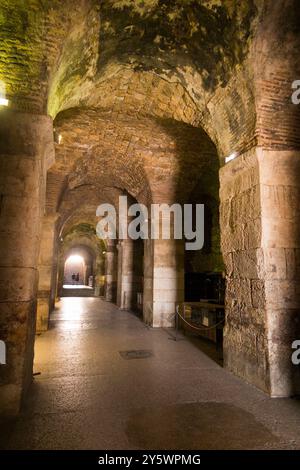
(3, 100)
(75, 259)
(231, 157)
(57, 137)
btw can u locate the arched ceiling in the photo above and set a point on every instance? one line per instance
(195, 43)
(79, 205)
(101, 53)
(165, 59)
(215, 57)
(81, 234)
(101, 156)
(140, 89)
(33, 36)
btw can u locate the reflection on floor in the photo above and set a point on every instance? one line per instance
(76, 286)
(77, 290)
(158, 394)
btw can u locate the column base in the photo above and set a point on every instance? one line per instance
(43, 313)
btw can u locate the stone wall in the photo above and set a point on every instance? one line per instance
(280, 196)
(25, 145)
(259, 231)
(47, 269)
(134, 87)
(245, 336)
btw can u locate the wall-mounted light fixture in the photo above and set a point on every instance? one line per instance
(3, 100)
(232, 156)
(57, 137)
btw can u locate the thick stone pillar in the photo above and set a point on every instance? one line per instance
(280, 195)
(163, 263)
(119, 274)
(259, 195)
(111, 272)
(99, 276)
(126, 288)
(47, 272)
(60, 275)
(148, 282)
(163, 281)
(54, 277)
(26, 147)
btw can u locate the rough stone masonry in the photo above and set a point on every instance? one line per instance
(147, 99)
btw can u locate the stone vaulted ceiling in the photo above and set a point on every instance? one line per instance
(141, 90)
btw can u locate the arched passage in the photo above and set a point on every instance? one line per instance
(79, 268)
(81, 261)
(144, 97)
(75, 269)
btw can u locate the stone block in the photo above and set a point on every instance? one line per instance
(258, 293)
(275, 266)
(18, 284)
(282, 294)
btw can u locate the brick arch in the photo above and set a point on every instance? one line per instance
(78, 242)
(71, 60)
(79, 205)
(241, 99)
(133, 153)
(77, 235)
(227, 115)
(34, 36)
(177, 69)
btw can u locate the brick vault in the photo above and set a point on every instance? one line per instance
(148, 99)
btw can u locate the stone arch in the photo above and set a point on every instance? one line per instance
(86, 260)
(238, 92)
(75, 235)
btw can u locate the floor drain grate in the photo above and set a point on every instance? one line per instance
(136, 354)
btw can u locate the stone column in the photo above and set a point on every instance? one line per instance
(260, 239)
(126, 285)
(163, 267)
(111, 272)
(100, 275)
(26, 148)
(54, 277)
(47, 272)
(119, 274)
(148, 283)
(163, 281)
(280, 196)
(60, 275)
(138, 272)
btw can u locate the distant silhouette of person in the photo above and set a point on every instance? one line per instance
(73, 278)
(77, 278)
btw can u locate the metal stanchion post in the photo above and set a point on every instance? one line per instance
(176, 326)
(176, 322)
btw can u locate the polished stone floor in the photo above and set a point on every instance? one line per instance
(76, 286)
(94, 391)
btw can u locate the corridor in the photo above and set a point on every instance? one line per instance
(90, 392)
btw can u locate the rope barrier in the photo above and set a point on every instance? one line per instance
(204, 328)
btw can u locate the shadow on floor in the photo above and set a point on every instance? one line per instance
(209, 348)
(197, 426)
